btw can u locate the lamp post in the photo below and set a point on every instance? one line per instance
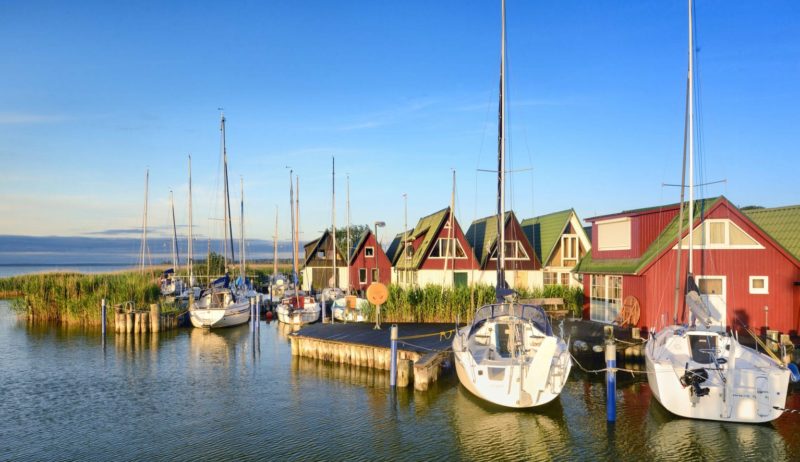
(378, 224)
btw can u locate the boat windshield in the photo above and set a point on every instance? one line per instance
(532, 313)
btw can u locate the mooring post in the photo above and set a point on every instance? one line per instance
(258, 312)
(252, 318)
(393, 359)
(103, 314)
(611, 381)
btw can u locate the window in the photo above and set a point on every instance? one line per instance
(321, 254)
(375, 275)
(514, 251)
(550, 278)
(369, 251)
(569, 250)
(614, 234)
(409, 251)
(605, 297)
(759, 284)
(720, 234)
(362, 275)
(564, 279)
(443, 248)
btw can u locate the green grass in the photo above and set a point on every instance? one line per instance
(432, 304)
(74, 297)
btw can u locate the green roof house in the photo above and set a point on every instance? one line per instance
(559, 241)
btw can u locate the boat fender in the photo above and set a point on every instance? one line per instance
(795, 372)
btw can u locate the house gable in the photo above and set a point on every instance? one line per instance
(318, 252)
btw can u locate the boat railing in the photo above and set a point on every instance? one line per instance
(533, 313)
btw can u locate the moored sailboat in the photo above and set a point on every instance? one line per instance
(509, 355)
(700, 370)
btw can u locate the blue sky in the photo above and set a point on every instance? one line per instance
(93, 93)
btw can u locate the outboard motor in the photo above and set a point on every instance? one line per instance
(693, 378)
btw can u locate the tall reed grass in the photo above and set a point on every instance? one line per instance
(432, 304)
(74, 297)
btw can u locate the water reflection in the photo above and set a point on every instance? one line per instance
(673, 438)
(485, 432)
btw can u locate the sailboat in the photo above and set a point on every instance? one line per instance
(701, 371)
(509, 355)
(349, 307)
(296, 307)
(171, 285)
(220, 305)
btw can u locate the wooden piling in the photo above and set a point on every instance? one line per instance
(129, 319)
(137, 322)
(405, 369)
(155, 317)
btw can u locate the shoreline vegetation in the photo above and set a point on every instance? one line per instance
(76, 297)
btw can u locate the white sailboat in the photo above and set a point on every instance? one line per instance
(171, 285)
(348, 307)
(509, 355)
(296, 308)
(701, 371)
(219, 305)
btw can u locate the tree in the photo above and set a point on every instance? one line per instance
(356, 232)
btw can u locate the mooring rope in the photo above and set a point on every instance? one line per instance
(783, 409)
(425, 348)
(443, 335)
(606, 369)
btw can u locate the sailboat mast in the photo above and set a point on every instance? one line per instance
(678, 278)
(189, 245)
(691, 137)
(143, 248)
(447, 249)
(175, 256)
(227, 221)
(297, 224)
(275, 246)
(333, 213)
(242, 257)
(501, 154)
(347, 253)
(291, 208)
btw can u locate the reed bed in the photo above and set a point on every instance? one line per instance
(75, 297)
(434, 304)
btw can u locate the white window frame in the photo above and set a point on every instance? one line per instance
(759, 291)
(440, 242)
(362, 275)
(566, 239)
(369, 252)
(706, 236)
(604, 303)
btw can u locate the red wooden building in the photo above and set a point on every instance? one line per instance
(368, 263)
(436, 252)
(746, 264)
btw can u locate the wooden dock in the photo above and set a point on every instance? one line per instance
(422, 349)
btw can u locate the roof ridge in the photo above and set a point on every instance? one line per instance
(571, 209)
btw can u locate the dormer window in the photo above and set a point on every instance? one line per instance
(614, 234)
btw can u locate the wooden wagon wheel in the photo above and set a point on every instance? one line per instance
(629, 315)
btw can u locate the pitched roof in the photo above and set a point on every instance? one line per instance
(315, 245)
(482, 235)
(781, 223)
(359, 244)
(666, 239)
(544, 232)
(395, 248)
(428, 228)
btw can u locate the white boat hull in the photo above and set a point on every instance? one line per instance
(340, 312)
(233, 315)
(298, 316)
(524, 382)
(754, 383)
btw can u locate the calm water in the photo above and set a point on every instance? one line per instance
(196, 394)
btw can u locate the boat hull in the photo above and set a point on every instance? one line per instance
(233, 315)
(747, 395)
(497, 382)
(298, 317)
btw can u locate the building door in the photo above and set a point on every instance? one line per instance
(320, 278)
(712, 292)
(460, 279)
